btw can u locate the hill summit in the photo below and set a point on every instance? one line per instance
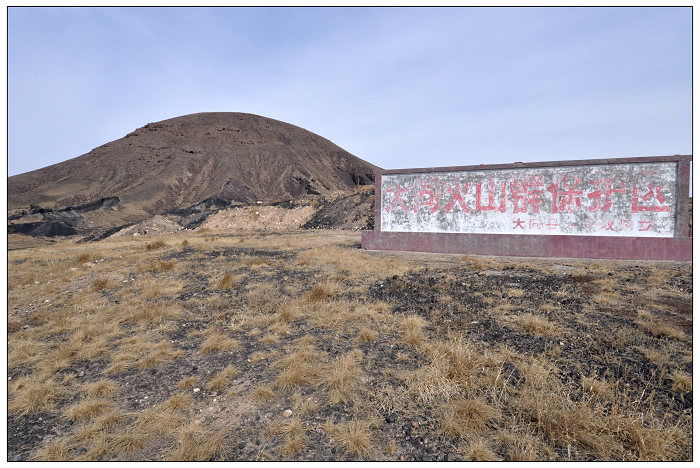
(175, 163)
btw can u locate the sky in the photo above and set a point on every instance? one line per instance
(397, 87)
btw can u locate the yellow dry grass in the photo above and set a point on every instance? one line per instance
(303, 366)
(412, 327)
(194, 442)
(538, 325)
(342, 378)
(221, 379)
(355, 437)
(218, 342)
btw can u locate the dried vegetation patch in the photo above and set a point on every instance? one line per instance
(216, 345)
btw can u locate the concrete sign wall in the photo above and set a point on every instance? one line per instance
(625, 209)
(633, 199)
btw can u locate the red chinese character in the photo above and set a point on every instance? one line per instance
(608, 226)
(564, 195)
(398, 199)
(456, 196)
(597, 194)
(519, 223)
(636, 207)
(626, 224)
(525, 190)
(552, 223)
(491, 206)
(644, 225)
(426, 189)
(535, 223)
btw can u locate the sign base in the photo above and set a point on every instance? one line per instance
(678, 249)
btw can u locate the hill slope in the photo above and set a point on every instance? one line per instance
(178, 162)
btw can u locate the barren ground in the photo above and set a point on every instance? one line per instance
(215, 345)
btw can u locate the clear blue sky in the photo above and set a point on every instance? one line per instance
(398, 87)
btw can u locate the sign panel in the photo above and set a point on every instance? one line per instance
(635, 199)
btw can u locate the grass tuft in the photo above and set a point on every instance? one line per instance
(263, 393)
(659, 329)
(155, 245)
(187, 382)
(222, 378)
(218, 342)
(178, 402)
(101, 388)
(195, 443)
(34, 394)
(537, 325)
(464, 417)
(320, 293)
(413, 326)
(682, 382)
(355, 437)
(342, 378)
(301, 367)
(89, 409)
(226, 282)
(367, 335)
(55, 450)
(294, 437)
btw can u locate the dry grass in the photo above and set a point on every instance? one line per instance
(158, 421)
(33, 394)
(342, 377)
(195, 443)
(87, 257)
(89, 409)
(682, 382)
(596, 387)
(100, 284)
(479, 449)
(412, 327)
(178, 402)
(101, 388)
(218, 342)
(465, 418)
(222, 378)
(155, 245)
(151, 314)
(537, 325)
(304, 406)
(580, 361)
(263, 393)
(355, 437)
(126, 443)
(55, 450)
(258, 356)
(660, 329)
(294, 437)
(367, 335)
(301, 367)
(658, 356)
(187, 382)
(227, 281)
(320, 293)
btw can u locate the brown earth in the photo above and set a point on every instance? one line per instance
(177, 163)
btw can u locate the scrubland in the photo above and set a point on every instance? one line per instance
(298, 345)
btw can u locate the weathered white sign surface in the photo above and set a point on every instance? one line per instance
(636, 199)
